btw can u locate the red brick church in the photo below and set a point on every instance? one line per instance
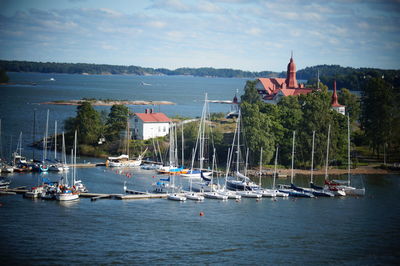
(273, 89)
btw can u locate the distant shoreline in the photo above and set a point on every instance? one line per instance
(109, 103)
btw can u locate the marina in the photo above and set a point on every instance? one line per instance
(274, 230)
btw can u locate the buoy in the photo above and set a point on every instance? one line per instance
(257, 200)
(201, 213)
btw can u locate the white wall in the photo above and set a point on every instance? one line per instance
(149, 130)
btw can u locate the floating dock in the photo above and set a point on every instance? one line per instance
(95, 196)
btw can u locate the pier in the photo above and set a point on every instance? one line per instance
(94, 196)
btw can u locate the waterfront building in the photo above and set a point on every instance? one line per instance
(272, 90)
(150, 125)
(341, 109)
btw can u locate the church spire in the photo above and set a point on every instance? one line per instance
(291, 81)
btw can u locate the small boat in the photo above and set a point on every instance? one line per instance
(230, 194)
(35, 192)
(194, 196)
(195, 174)
(249, 194)
(145, 84)
(176, 197)
(80, 187)
(215, 195)
(65, 193)
(163, 185)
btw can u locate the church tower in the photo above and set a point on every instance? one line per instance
(341, 109)
(291, 81)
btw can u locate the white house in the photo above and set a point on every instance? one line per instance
(150, 125)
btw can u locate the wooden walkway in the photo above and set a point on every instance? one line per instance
(94, 196)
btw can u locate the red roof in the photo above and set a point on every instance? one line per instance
(153, 117)
(271, 85)
(334, 101)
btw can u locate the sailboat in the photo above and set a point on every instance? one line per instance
(315, 190)
(241, 182)
(293, 190)
(19, 162)
(345, 185)
(65, 191)
(328, 185)
(55, 166)
(123, 160)
(172, 168)
(200, 143)
(175, 195)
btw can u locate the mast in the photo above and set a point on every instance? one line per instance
(34, 133)
(228, 164)
(247, 159)
(259, 182)
(327, 153)
(312, 156)
(75, 147)
(276, 162)
(55, 140)
(292, 174)
(183, 149)
(127, 137)
(64, 155)
(238, 143)
(348, 150)
(46, 136)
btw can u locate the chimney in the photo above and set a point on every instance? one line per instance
(151, 110)
(145, 111)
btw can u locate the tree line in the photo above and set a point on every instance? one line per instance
(98, 69)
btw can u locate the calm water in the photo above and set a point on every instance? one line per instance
(350, 230)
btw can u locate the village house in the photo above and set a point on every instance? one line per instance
(272, 90)
(149, 125)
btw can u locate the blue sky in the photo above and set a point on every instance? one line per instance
(242, 34)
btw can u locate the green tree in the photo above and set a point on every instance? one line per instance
(87, 122)
(250, 92)
(117, 121)
(352, 103)
(379, 113)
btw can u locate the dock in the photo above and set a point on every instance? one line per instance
(95, 196)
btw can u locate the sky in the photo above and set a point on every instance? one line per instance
(252, 35)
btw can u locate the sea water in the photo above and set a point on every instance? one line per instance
(340, 230)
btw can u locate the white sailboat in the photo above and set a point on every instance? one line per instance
(123, 160)
(240, 182)
(65, 191)
(291, 189)
(175, 195)
(345, 185)
(329, 185)
(200, 146)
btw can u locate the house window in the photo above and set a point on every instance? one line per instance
(165, 129)
(136, 120)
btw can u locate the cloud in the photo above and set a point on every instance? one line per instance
(230, 33)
